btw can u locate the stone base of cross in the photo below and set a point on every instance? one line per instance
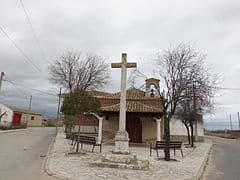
(121, 142)
(121, 137)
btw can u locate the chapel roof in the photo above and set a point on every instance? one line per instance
(133, 106)
(132, 93)
(136, 102)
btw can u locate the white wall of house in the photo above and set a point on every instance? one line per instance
(177, 128)
(6, 120)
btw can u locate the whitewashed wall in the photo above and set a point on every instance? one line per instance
(178, 128)
(6, 120)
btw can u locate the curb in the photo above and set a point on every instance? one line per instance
(204, 164)
(12, 131)
(46, 162)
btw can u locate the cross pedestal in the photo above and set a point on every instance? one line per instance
(121, 142)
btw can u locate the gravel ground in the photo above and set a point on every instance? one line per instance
(66, 166)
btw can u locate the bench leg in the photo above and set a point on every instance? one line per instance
(93, 148)
(74, 144)
(181, 152)
(100, 148)
(174, 152)
(157, 152)
(150, 151)
(81, 145)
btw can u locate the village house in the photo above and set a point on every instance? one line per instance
(144, 112)
(12, 117)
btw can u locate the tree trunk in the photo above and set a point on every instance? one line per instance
(188, 133)
(192, 142)
(167, 138)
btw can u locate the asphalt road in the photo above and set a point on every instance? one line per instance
(224, 162)
(20, 154)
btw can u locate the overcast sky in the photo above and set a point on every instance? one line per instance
(108, 28)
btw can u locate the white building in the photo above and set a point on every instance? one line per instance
(16, 118)
(6, 116)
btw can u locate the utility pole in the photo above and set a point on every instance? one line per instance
(1, 79)
(231, 122)
(58, 109)
(238, 121)
(29, 110)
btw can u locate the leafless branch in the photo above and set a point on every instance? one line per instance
(78, 71)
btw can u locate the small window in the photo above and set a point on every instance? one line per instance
(32, 117)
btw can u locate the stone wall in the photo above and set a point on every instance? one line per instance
(32, 121)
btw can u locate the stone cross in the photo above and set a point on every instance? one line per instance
(121, 138)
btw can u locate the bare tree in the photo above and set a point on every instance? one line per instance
(79, 72)
(185, 114)
(177, 68)
(199, 98)
(134, 76)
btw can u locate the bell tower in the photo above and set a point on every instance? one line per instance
(152, 87)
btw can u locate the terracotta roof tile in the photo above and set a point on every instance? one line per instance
(133, 106)
(136, 102)
(132, 93)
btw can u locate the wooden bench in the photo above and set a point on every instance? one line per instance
(87, 140)
(175, 145)
(73, 137)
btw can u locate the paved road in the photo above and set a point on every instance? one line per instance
(20, 154)
(224, 162)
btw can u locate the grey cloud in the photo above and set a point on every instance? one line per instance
(141, 28)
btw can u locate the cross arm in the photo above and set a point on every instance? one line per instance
(119, 65)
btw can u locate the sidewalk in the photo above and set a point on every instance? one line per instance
(64, 166)
(11, 130)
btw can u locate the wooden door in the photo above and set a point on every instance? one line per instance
(16, 119)
(134, 129)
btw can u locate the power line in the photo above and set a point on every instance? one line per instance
(13, 99)
(19, 49)
(226, 88)
(19, 85)
(33, 31)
